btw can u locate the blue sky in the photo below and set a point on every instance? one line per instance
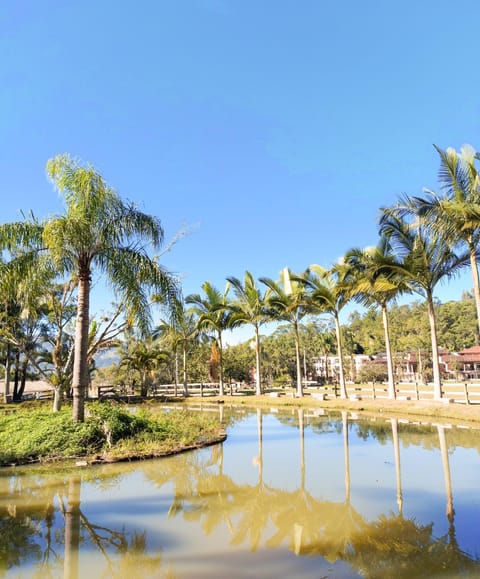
(273, 129)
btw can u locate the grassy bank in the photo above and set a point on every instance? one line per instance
(108, 434)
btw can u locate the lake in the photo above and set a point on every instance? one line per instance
(290, 493)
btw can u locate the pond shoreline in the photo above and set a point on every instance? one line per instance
(97, 459)
(420, 410)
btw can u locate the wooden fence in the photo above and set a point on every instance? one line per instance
(463, 393)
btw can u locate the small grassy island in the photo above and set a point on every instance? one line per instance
(109, 433)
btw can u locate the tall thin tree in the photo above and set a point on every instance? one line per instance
(288, 301)
(250, 307)
(213, 316)
(425, 259)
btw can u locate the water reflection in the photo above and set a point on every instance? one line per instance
(41, 519)
(191, 515)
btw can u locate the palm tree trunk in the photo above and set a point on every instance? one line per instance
(388, 348)
(343, 388)
(184, 368)
(175, 391)
(476, 283)
(80, 364)
(57, 398)
(299, 362)
(8, 365)
(437, 384)
(257, 362)
(221, 391)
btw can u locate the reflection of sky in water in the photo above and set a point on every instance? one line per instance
(190, 506)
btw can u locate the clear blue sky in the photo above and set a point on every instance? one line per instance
(274, 129)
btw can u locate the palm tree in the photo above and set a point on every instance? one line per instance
(452, 214)
(366, 280)
(424, 259)
(250, 307)
(287, 301)
(97, 230)
(213, 316)
(180, 330)
(144, 358)
(327, 294)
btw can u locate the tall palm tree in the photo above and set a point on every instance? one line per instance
(452, 214)
(250, 307)
(327, 295)
(367, 281)
(424, 259)
(97, 230)
(288, 301)
(180, 330)
(213, 316)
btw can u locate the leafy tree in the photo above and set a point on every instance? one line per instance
(457, 324)
(368, 329)
(238, 360)
(279, 356)
(23, 313)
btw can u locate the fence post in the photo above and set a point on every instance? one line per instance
(201, 389)
(465, 386)
(416, 391)
(373, 390)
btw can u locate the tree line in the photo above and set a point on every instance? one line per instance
(47, 267)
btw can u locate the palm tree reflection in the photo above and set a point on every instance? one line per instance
(44, 518)
(258, 514)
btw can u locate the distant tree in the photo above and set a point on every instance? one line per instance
(239, 360)
(143, 360)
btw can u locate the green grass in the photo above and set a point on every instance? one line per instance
(108, 433)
